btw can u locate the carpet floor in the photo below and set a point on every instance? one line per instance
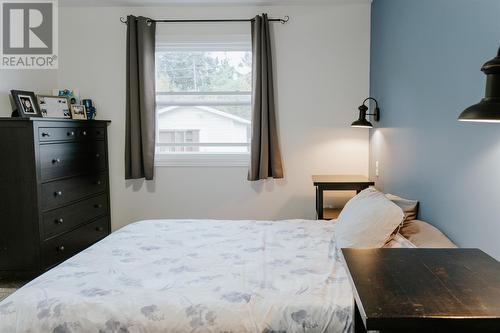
(8, 287)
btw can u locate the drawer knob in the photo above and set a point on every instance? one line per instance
(97, 155)
(97, 206)
(99, 229)
(84, 132)
(56, 160)
(98, 182)
(59, 221)
(58, 193)
(60, 248)
(71, 133)
(44, 134)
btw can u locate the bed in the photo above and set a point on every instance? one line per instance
(193, 276)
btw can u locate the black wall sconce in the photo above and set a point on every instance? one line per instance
(488, 110)
(361, 121)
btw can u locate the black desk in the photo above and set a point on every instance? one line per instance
(336, 183)
(424, 290)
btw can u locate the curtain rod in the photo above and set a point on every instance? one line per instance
(281, 20)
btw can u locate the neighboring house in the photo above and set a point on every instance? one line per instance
(200, 124)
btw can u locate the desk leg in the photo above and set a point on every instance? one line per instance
(319, 203)
(317, 209)
(359, 326)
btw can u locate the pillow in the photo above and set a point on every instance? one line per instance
(409, 207)
(367, 220)
(422, 234)
(398, 241)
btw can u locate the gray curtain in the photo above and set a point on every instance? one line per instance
(140, 119)
(265, 155)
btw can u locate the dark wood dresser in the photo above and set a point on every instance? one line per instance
(54, 191)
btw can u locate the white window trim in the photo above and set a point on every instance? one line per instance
(202, 160)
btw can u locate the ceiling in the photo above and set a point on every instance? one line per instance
(154, 3)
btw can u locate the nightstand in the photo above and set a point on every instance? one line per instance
(336, 183)
(424, 290)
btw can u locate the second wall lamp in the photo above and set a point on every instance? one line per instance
(488, 110)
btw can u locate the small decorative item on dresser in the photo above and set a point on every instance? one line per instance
(71, 94)
(54, 106)
(91, 112)
(25, 102)
(78, 112)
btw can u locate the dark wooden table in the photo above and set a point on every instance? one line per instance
(336, 183)
(424, 290)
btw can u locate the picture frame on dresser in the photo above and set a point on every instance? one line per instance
(54, 106)
(78, 112)
(55, 200)
(26, 104)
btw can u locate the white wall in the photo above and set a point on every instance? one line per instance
(322, 74)
(39, 80)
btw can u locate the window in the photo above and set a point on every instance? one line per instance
(203, 97)
(184, 140)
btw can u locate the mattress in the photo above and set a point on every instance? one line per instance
(193, 276)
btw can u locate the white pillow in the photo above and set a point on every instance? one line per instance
(367, 221)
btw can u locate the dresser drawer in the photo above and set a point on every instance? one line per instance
(58, 193)
(90, 133)
(57, 133)
(69, 159)
(63, 219)
(47, 134)
(60, 248)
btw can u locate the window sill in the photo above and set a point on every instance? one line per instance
(202, 160)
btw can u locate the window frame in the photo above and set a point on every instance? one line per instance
(203, 159)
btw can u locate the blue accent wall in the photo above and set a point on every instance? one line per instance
(426, 57)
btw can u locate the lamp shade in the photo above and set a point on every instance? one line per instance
(488, 110)
(361, 121)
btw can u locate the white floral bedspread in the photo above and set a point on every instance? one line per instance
(192, 276)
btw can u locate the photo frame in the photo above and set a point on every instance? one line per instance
(26, 104)
(78, 112)
(54, 106)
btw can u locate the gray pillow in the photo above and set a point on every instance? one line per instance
(409, 207)
(422, 234)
